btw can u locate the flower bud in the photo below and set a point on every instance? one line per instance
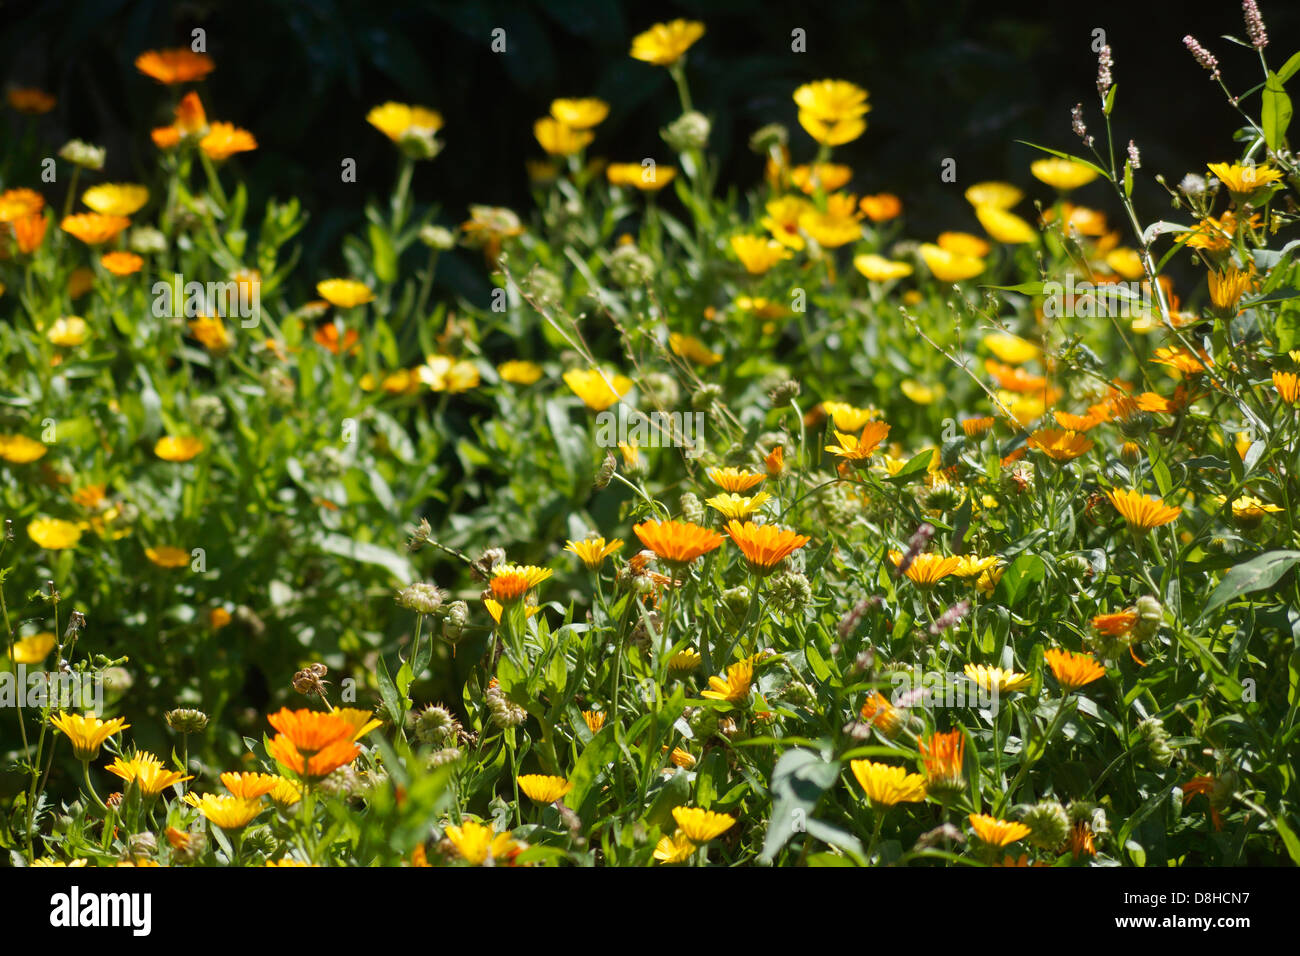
(186, 720)
(1049, 824)
(689, 131)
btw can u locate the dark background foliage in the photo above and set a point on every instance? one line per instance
(954, 79)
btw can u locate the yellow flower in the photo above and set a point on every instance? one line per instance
(212, 333)
(735, 480)
(736, 506)
(650, 177)
(837, 226)
(927, 570)
(831, 111)
(33, 649)
(825, 176)
(849, 418)
(147, 771)
(223, 140)
(1005, 226)
(513, 581)
(686, 660)
(964, 244)
(971, 566)
(345, 293)
(21, 450)
(396, 120)
(886, 785)
(54, 534)
(1241, 180)
(121, 263)
(921, 394)
(580, 113)
(881, 207)
(116, 199)
(16, 204)
(1059, 445)
(1073, 670)
(701, 826)
(177, 448)
(758, 254)
(1140, 512)
(442, 373)
(519, 372)
(782, 220)
(765, 546)
(249, 786)
(1126, 262)
(598, 390)
(558, 139)
(692, 349)
(168, 556)
(92, 228)
(1288, 386)
(594, 719)
(861, 447)
(543, 789)
(87, 734)
(995, 832)
(1011, 348)
(594, 551)
(665, 43)
(995, 679)
(674, 849)
(477, 844)
(949, 266)
(735, 687)
(681, 758)
(1062, 174)
(996, 194)
(494, 608)
(1248, 509)
(361, 721)
(1226, 288)
(881, 714)
(226, 811)
(879, 269)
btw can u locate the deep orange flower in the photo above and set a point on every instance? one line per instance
(1115, 625)
(180, 65)
(31, 101)
(121, 263)
(327, 336)
(881, 207)
(93, 228)
(765, 546)
(223, 140)
(943, 755)
(29, 231)
(680, 542)
(1072, 671)
(190, 116)
(881, 714)
(311, 743)
(861, 447)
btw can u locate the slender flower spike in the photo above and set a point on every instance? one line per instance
(995, 832)
(679, 542)
(512, 581)
(543, 789)
(886, 785)
(87, 734)
(1140, 512)
(701, 826)
(735, 687)
(594, 551)
(765, 546)
(1072, 671)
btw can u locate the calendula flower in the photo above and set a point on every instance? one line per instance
(701, 826)
(650, 177)
(116, 199)
(948, 266)
(996, 194)
(972, 566)
(774, 462)
(223, 140)
(212, 333)
(975, 427)
(33, 649)
(328, 337)
(837, 226)
(87, 734)
(831, 111)
(598, 390)
(827, 177)
(519, 372)
(927, 570)
(21, 450)
(54, 534)
(859, 448)
(581, 113)
(782, 220)
(177, 448)
(1005, 226)
(881, 207)
(594, 719)
(921, 393)
(1288, 386)
(477, 844)
(1243, 181)
(879, 269)
(757, 253)
(1011, 349)
(168, 556)
(1060, 445)
(1126, 262)
(692, 349)
(1062, 174)
(1226, 289)
(735, 506)
(180, 65)
(996, 679)
(1073, 670)
(147, 772)
(964, 244)
(765, 546)
(190, 117)
(558, 139)
(666, 43)
(681, 758)
(674, 849)
(943, 755)
(442, 373)
(735, 480)
(1250, 510)
(679, 542)
(250, 786)
(345, 293)
(881, 714)
(29, 232)
(226, 811)
(543, 789)
(93, 228)
(850, 418)
(312, 743)
(19, 203)
(734, 687)
(684, 661)
(121, 263)
(1118, 624)
(31, 101)
(594, 551)
(512, 581)
(886, 785)
(995, 832)
(398, 120)
(1140, 512)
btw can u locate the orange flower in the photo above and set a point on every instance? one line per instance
(1058, 444)
(165, 137)
(327, 336)
(860, 448)
(1140, 512)
(179, 65)
(513, 581)
(943, 755)
(1288, 386)
(311, 743)
(1081, 841)
(926, 570)
(17, 203)
(974, 427)
(190, 117)
(93, 228)
(1115, 625)
(680, 542)
(775, 462)
(30, 232)
(881, 714)
(734, 480)
(31, 101)
(1072, 671)
(223, 140)
(765, 546)
(881, 207)
(121, 263)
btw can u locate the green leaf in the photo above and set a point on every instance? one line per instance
(800, 779)
(1070, 157)
(1276, 112)
(1023, 573)
(1284, 830)
(384, 260)
(1289, 68)
(1255, 575)
(914, 465)
(392, 700)
(1024, 288)
(367, 553)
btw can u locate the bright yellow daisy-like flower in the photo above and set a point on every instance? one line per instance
(250, 786)
(1288, 386)
(838, 226)
(33, 649)
(765, 546)
(361, 721)
(996, 194)
(594, 719)
(975, 427)
(92, 228)
(477, 844)
(684, 661)
(758, 254)
(116, 199)
(494, 608)
(701, 826)
(996, 679)
(674, 849)
(949, 266)
(825, 176)
(1073, 670)
(16, 204)
(1241, 180)
(212, 333)
(886, 785)
(861, 447)
(681, 758)
(692, 349)
(647, 177)
(223, 140)
(1251, 510)
(881, 207)
(21, 450)
(782, 220)
(734, 687)
(87, 734)
(345, 293)
(594, 551)
(177, 448)
(1227, 287)
(519, 372)
(180, 65)
(736, 506)
(558, 139)
(879, 269)
(512, 581)
(666, 43)
(831, 111)
(54, 534)
(927, 570)
(167, 556)
(995, 832)
(396, 120)
(1011, 349)
(598, 390)
(442, 373)
(542, 788)
(1058, 444)
(735, 480)
(1005, 226)
(964, 244)
(226, 811)
(583, 113)
(1062, 174)
(679, 542)
(972, 566)
(285, 793)
(921, 393)
(850, 418)
(881, 714)
(1127, 262)
(147, 772)
(1140, 512)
